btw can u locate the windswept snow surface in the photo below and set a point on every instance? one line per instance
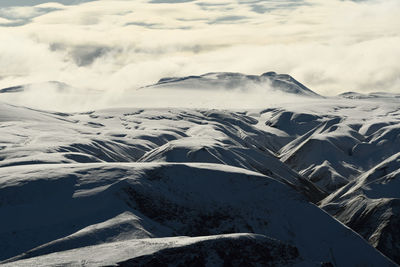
(307, 183)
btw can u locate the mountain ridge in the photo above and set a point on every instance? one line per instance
(215, 80)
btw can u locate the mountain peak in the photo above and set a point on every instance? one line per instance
(234, 80)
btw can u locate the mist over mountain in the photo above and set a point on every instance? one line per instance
(211, 90)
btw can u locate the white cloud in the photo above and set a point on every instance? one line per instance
(332, 46)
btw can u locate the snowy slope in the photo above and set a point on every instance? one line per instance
(129, 135)
(349, 148)
(232, 249)
(136, 186)
(61, 201)
(371, 206)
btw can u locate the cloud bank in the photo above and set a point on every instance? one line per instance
(331, 46)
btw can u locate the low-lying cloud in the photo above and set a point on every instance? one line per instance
(331, 46)
(61, 97)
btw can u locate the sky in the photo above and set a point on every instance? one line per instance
(331, 46)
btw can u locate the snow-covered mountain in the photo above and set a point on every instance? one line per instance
(58, 86)
(230, 81)
(355, 95)
(306, 183)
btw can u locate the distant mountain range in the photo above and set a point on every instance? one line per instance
(211, 81)
(282, 83)
(60, 87)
